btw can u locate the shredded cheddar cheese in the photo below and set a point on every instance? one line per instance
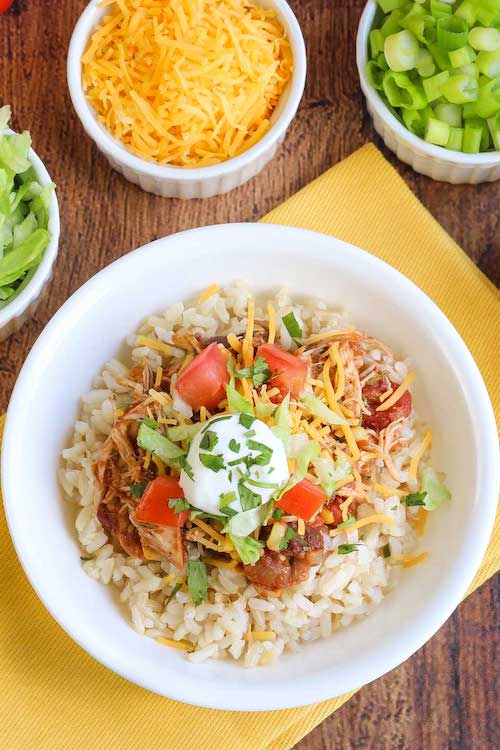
(396, 395)
(412, 473)
(183, 645)
(159, 346)
(213, 289)
(247, 346)
(189, 83)
(158, 376)
(408, 561)
(386, 491)
(421, 520)
(376, 518)
(271, 314)
(260, 635)
(234, 342)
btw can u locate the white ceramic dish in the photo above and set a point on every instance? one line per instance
(179, 182)
(433, 161)
(24, 305)
(450, 395)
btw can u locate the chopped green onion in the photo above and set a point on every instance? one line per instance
(484, 39)
(423, 27)
(437, 132)
(494, 127)
(462, 56)
(488, 63)
(402, 92)
(392, 23)
(374, 74)
(455, 141)
(452, 32)
(467, 11)
(460, 89)
(390, 5)
(433, 86)
(440, 9)
(450, 113)
(425, 63)
(376, 42)
(209, 440)
(401, 51)
(292, 326)
(488, 12)
(488, 99)
(472, 138)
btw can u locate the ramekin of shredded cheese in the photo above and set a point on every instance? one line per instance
(187, 98)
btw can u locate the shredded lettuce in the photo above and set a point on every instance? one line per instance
(184, 432)
(235, 401)
(243, 524)
(319, 409)
(436, 491)
(197, 581)
(24, 212)
(152, 440)
(330, 474)
(247, 548)
(282, 421)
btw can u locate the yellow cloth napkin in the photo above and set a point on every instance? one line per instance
(54, 695)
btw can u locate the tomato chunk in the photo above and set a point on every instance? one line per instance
(303, 500)
(154, 507)
(288, 372)
(203, 382)
(379, 420)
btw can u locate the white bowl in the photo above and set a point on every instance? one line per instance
(433, 161)
(180, 182)
(23, 306)
(449, 394)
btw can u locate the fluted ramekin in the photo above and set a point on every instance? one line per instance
(433, 161)
(23, 306)
(181, 182)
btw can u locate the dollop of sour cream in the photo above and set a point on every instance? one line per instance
(235, 461)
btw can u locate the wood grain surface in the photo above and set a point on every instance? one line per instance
(445, 697)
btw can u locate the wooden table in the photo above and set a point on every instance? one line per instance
(444, 697)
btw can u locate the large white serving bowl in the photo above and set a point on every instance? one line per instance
(180, 182)
(90, 328)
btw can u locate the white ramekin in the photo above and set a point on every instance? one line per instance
(179, 182)
(433, 161)
(24, 305)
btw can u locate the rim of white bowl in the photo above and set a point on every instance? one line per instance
(429, 149)
(42, 274)
(111, 146)
(466, 563)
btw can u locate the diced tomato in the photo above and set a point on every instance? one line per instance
(379, 420)
(303, 500)
(4, 4)
(203, 382)
(288, 372)
(154, 507)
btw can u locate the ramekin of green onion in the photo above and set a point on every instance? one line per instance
(430, 72)
(29, 228)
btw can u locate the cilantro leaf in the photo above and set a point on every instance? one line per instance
(278, 513)
(248, 499)
(386, 551)
(289, 535)
(209, 440)
(234, 446)
(178, 504)
(345, 549)
(264, 452)
(259, 372)
(246, 420)
(138, 489)
(184, 464)
(215, 463)
(415, 498)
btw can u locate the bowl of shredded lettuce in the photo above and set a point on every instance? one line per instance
(29, 227)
